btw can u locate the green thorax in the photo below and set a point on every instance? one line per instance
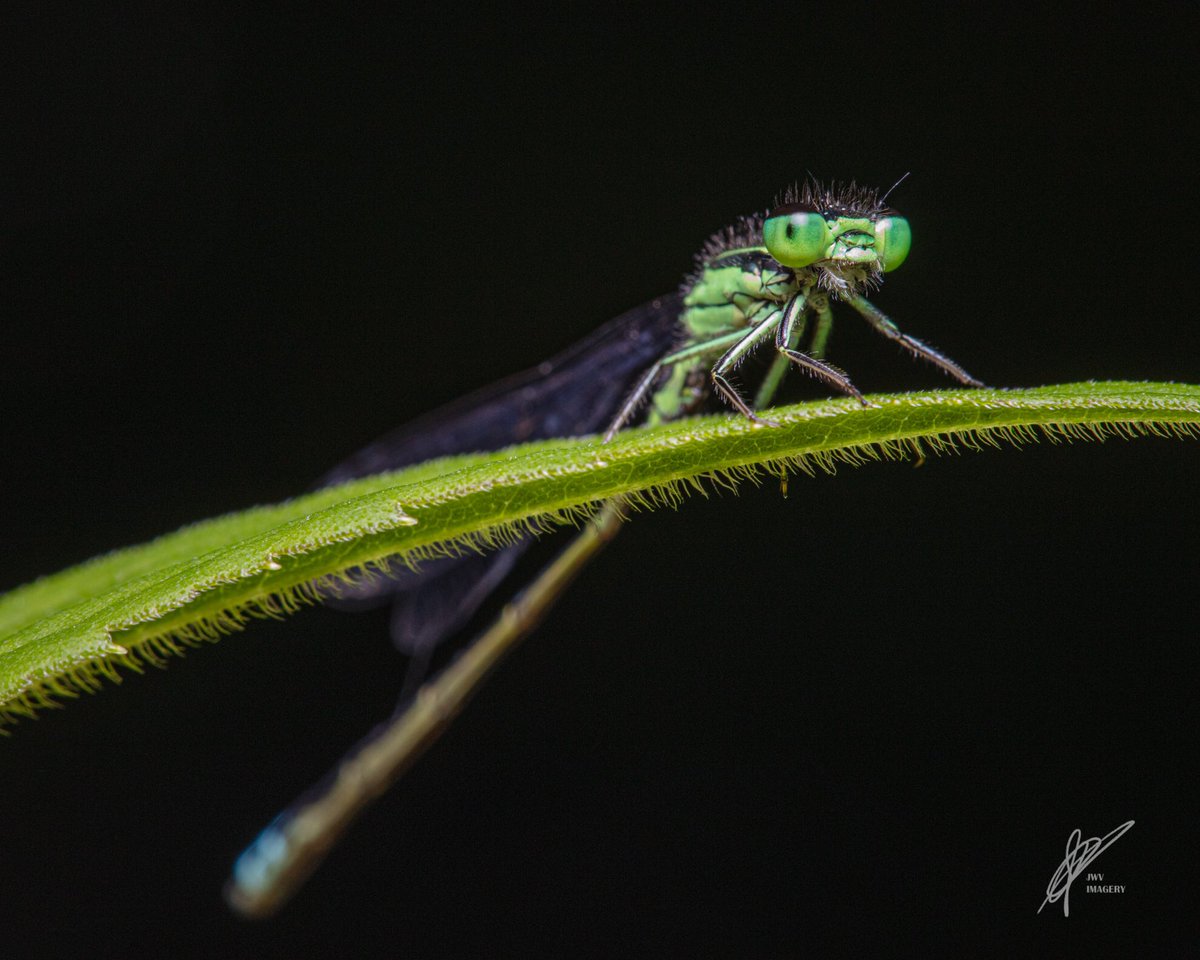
(730, 290)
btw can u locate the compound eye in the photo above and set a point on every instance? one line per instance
(893, 238)
(796, 238)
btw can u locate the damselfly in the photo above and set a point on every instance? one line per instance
(767, 279)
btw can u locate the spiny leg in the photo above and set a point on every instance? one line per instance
(815, 367)
(779, 368)
(646, 383)
(734, 356)
(816, 348)
(821, 331)
(879, 320)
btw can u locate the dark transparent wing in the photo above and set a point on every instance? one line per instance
(575, 393)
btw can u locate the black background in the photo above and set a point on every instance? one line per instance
(864, 718)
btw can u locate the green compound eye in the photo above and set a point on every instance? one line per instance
(893, 238)
(796, 238)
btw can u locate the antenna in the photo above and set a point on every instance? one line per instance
(883, 199)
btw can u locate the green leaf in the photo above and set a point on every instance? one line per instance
(60, 634)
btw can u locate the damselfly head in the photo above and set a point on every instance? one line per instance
(835, 227)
